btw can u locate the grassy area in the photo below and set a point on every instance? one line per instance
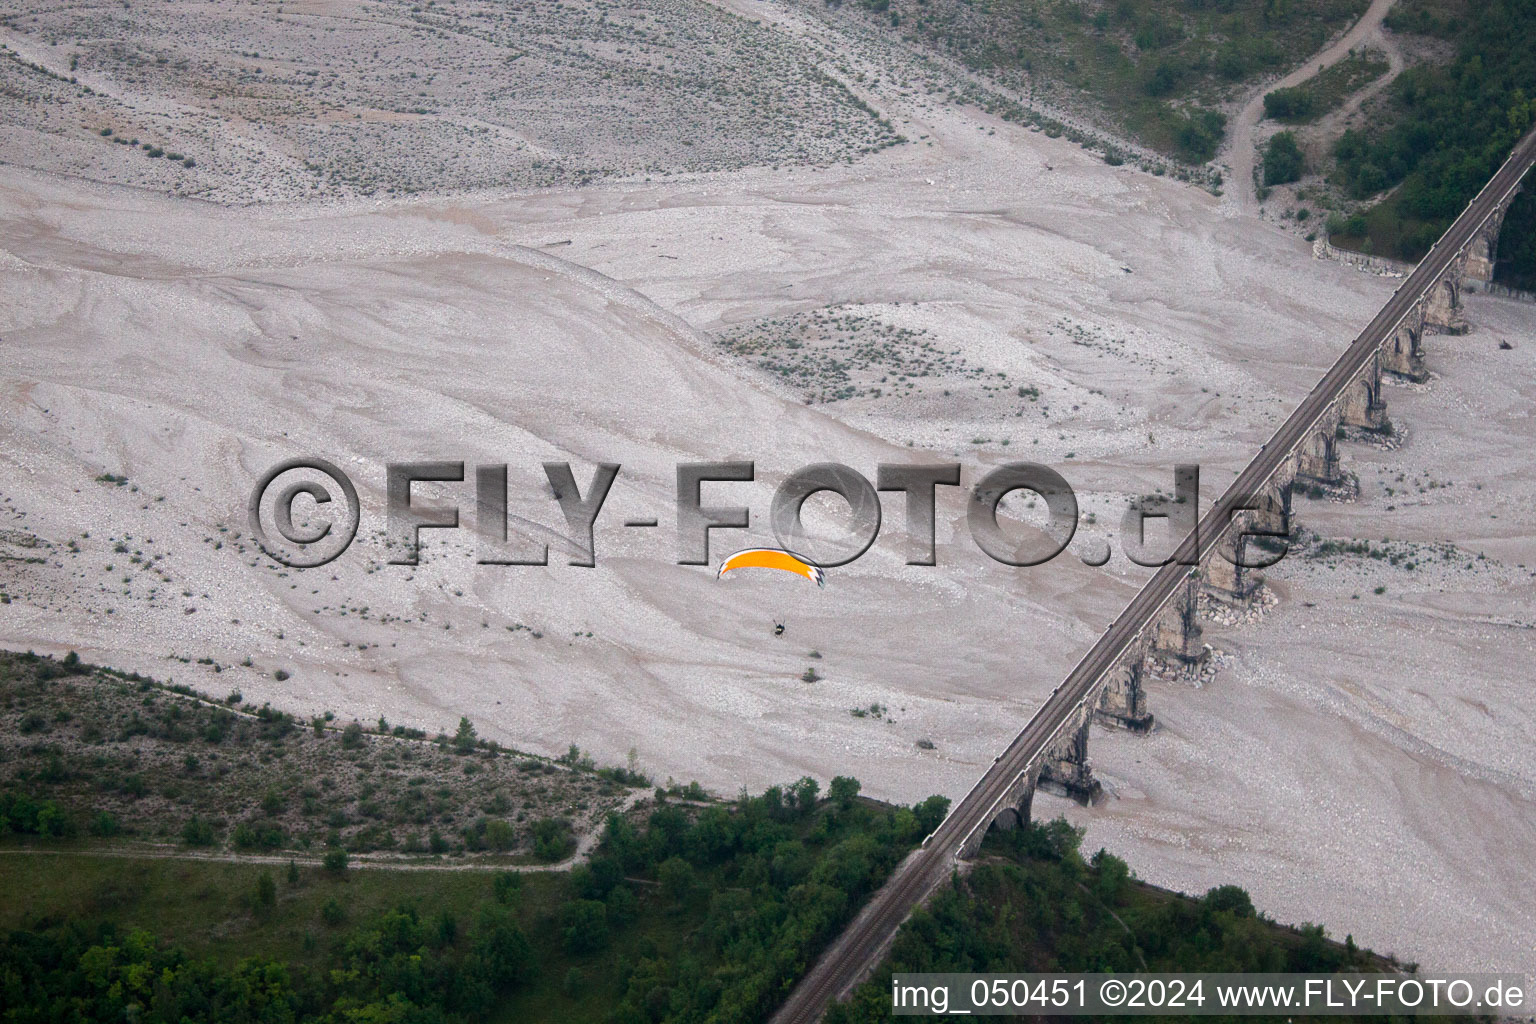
(692, 911)
(687, 908)
(1153, 68)
(1326, 91)
(210, 908)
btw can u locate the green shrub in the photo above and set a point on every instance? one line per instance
(332, 913)
(584, 926)
(506, 886)
(266, 890)
(1283, 162)
(335, 861)
(197, 832)
(552, 839)
(499, 835)
(1232, 899)
(1295, 104)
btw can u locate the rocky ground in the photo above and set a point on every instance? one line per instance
(223, 101)
(1358, 757)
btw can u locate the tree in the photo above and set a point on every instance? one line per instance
(622, 905)
(1113, 876)
(1232, 898)
(843, 790)
(1199, 135)
(499, 835)
(335, 861)
(552, 839)
(1162, 81)
(804, 793)
(930, 813)
(266, 890)
(500, 944)
(678, 879)
(464, 738)
(197, 832)
(506, 886)
(584, 926)
(1283, 162)
(1295, 104)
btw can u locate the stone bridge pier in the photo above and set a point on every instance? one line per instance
(1066, 770)
(1317, 458)
(1123, 700)
(1228, 572)
(1013, 812)
(1176, 632)
(1362, 405)
(1403, 354)
(1443, 311)
(1482, 252)
(1473, 266)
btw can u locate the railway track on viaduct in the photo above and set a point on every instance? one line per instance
(1390, 340)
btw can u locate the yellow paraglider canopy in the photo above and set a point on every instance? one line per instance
(771, 558)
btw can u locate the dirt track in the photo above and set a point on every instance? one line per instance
(1240, 149)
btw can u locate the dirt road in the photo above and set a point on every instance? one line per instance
(1239, 153)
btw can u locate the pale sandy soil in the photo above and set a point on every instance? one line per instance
(1365, 763)
(1386, 738)
(221, 100)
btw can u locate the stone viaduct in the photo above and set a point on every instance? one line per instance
(1172, 642)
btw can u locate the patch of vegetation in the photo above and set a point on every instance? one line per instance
(1155, 69)
(1327, 90)
(836, 354)
(1283, 161)
(1406, 555)
(1034, 903)
(1447, 128)
(683, 914)
(81, 746)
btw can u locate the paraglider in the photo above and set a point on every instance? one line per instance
(771, 558)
